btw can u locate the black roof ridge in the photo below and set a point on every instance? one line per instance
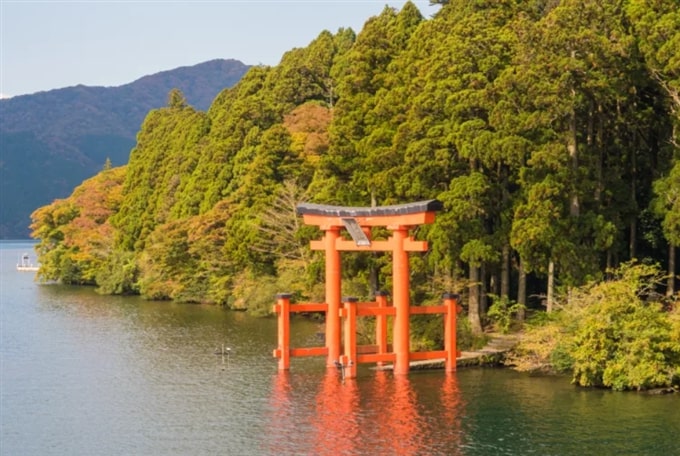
(348, 211)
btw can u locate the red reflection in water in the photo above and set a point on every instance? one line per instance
(406, 426)
(282, 412)
(453, 407)
(337, 421)
(382, 415)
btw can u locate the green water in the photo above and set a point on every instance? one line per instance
(83, 374)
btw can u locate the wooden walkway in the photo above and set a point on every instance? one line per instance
(492, 353)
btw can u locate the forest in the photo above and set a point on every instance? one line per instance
(549, 130)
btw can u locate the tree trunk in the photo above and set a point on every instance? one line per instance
(551, 286)
(373, 278)
(373, 274)
(505, 272)
(670, 287)
(572, 148)
(631, 239)
(483, 299)
(633, 199)
(521, 289)
(473, 300)
(494, 285)
(599, 144)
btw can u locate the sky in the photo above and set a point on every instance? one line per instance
(52, 44)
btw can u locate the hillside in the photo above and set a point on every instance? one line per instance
(51, 141)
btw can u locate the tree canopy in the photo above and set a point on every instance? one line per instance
(549, 130)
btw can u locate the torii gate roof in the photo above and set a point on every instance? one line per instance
(345, 211)
(411, 214)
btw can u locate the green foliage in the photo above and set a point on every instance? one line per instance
(75, 234)
(176, 99)
(674, 345)
(666, 205)
(622, 341)
(256, 293)
(159, 170)
(544, 346)
(118, 275)
(613, 334)
(504, 313)
(657, 27)
(427, 333)
(466, 338)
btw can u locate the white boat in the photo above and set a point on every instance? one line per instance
(25, 264)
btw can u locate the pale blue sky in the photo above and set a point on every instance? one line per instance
(46, 44)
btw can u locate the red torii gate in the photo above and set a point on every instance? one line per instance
(359, 221)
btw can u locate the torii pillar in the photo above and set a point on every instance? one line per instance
(358, 221)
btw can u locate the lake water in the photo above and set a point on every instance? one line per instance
(83, 374)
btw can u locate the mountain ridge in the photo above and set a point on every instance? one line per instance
(52, 140)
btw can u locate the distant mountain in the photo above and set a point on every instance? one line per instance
(51, 141)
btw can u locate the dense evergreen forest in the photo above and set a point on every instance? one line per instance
(549, 130)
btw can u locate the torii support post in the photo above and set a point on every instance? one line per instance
(283, 303)
(381, 325)
(333, 294)
(450, 343)
(348, 361)
(401, 301)
(359, 221)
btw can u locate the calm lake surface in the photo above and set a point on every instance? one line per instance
(83, 374)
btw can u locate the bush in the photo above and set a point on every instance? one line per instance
(543, 346)
(466, 339)
(504, 313)
(612, 334)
